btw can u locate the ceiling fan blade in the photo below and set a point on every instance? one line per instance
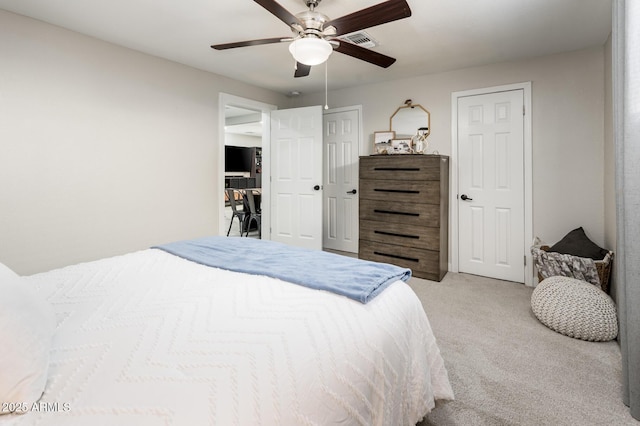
(367, 55)
(279, 12)
(381, 13)
(248, 43)
(302, 70)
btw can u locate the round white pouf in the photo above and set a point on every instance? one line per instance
(575, 308)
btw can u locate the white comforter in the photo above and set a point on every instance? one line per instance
(151, 339)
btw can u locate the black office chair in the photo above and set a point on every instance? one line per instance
(254, 213)
(236, 212)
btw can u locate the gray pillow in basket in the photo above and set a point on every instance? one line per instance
(576, 243)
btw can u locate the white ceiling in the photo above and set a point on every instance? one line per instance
(439, 36)
(242, 121)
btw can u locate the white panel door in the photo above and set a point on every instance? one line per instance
(296, 176)
(491, 185)
(341, 152)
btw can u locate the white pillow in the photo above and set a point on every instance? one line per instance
(27, 324)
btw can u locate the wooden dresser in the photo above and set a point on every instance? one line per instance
(404, 212)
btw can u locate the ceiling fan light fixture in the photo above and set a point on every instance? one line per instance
(310, 50)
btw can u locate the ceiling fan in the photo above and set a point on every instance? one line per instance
(315, 35)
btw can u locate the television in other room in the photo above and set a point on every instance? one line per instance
(238, 159)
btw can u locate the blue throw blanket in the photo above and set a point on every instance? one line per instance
(357, 279)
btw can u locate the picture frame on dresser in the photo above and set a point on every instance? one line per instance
(382, 141)
(401, 146)
(383, 137)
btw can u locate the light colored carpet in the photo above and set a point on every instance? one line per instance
(507, 368)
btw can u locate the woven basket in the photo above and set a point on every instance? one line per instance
(603, 268)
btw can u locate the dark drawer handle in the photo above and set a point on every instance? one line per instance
(400, 213)
(395, 256)
(397, 169)
(400, 191)
(393, 234)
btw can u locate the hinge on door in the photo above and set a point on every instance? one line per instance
(525, 260)
(523, 113)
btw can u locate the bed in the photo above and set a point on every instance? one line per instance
(150, 338)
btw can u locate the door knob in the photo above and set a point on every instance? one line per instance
(464, 197)
(316, 188)
(353, 191)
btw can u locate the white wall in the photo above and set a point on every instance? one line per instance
(103, 150)
(568, 132)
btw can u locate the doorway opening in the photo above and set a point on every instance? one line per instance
(244, 137)
(236, 115)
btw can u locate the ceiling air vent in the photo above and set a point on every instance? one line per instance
(360, 38)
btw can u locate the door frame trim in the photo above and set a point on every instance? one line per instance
(528, 174)
(360, 151)
(228, 99)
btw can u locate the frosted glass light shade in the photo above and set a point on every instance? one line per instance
(310, 51)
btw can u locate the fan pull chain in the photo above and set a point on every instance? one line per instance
(295, 62)
(326, 95)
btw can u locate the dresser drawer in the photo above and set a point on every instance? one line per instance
(401, 167)
(423, 263)
(397, 233)
(424, 191)
(402, 213)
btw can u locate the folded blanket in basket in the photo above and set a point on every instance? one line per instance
(551, 264)
(357, 279)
